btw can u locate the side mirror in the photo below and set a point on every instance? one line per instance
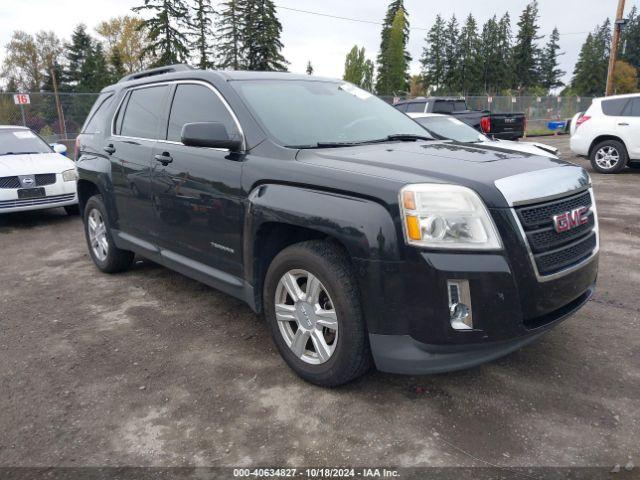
(59, 148)
(209, 134)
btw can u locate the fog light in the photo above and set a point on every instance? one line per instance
(460, 313)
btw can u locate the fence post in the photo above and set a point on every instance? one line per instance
(24, 121)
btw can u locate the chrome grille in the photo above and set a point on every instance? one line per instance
(552, 251)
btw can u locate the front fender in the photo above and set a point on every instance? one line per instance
(364, 227)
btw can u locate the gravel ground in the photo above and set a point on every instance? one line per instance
(149, 368)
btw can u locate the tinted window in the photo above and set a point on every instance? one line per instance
(459, 106)
(142, 113)
(614, 107)
(196, 103)
(442, 106)
(416, 107)
(633, 108)
(21, 142)
(402, 107)
(96, 116)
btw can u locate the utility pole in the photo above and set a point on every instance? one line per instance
(614, 47)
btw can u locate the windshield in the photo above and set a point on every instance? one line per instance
(450, 128)
(14, 142)
(305, 113)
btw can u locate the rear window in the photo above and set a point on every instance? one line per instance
(614, 107)
(142, 112)
(416, 107)
(96, 115)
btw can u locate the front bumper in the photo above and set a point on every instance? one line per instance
(404, 355)
(59, 194)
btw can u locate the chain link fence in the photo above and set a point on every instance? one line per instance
(41, 114)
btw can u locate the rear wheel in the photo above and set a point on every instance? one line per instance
(107, 257)
(313, 308)
(609, 156)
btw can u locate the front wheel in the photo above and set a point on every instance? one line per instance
(313, 308)
(104, 253)
(609, 156)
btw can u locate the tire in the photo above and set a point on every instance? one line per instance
(110, 259)
(72, 210)
(609, 156)
(349, 355)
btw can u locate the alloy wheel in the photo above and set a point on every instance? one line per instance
(98, 234)
(306, 316)
(607, 157)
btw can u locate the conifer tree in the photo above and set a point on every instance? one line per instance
(469, 64)
(309, 69)
(433, 56)
(78, 52)
(384, 81)
(230, 26)
(451, 63)
(503, 72)
(202, 33)
(526, 54)
(167, 30)
(550, 73)
(590, 73)
(394, 59)
(630, 42)
(261, 36)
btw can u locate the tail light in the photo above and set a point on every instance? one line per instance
(76, 149)
(485, 124)
(582, 119)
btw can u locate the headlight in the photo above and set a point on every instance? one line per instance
(70, 175)
(446, 216)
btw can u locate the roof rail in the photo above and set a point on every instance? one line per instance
(178, 67)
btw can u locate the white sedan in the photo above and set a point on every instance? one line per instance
(450, 128)
(33, 174)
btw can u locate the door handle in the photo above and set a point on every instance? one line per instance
(164, 158)
(623, 124)
(110, 149)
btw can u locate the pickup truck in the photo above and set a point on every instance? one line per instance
(505, 126)
(360, 239)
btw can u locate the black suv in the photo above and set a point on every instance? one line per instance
(359, 237)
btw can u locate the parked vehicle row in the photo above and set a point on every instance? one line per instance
(362, 237)
(508, 126)
(608, 133)
(33, 174)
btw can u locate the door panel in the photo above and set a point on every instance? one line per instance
(198, 205)
(196, 195)
(137, 127)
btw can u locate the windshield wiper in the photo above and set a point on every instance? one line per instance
(19, 153)
(408, 137)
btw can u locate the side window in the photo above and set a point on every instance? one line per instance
(120, 115)
(196, 103)
(402, 107)
(614, 107)
(416, 107)
(96, 115)
(633, 108)
(141, 117)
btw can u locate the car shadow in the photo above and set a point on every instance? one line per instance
(31, 219)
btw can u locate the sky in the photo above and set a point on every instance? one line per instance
(325, 41)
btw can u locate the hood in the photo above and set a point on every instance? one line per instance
(475, 166)
(33, 164)
(526, 147)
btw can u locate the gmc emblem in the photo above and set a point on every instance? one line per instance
(567, 220)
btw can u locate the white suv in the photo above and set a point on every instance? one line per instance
(609, 133)
(33, 174)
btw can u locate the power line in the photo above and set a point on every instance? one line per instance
(372, 22)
